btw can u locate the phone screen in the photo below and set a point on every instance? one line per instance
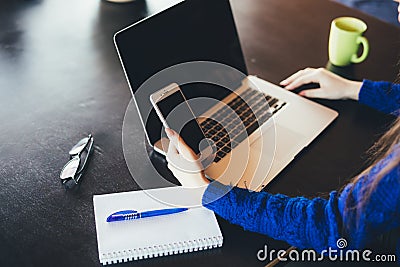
(180, 118)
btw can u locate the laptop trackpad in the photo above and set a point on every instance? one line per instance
(288, 143)
(263, 164)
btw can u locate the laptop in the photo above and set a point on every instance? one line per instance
(258, 127)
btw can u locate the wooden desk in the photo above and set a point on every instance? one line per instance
(60, 79)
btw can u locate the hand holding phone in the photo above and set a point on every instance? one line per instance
(174, 112)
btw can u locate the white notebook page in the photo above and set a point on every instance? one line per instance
(194, 229)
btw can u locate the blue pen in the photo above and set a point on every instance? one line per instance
(134, 215)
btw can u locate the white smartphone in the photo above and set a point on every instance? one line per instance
(174, 112)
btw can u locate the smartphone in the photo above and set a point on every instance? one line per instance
(175, 113)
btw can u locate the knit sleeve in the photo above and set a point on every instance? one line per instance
(380, 212)
(383, 96)
(299, 221)
(315, 223)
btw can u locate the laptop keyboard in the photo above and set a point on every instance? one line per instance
(239, 120)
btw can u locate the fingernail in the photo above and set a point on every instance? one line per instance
(169, 132)
(284, 82)
(302, 93)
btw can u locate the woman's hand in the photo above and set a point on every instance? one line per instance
(183, 162)
(332, 86)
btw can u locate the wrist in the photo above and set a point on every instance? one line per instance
(353, 90)
(201, 178)
(190, 179)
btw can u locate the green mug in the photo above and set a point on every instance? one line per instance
(344, 40)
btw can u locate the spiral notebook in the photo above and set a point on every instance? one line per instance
(191, 230)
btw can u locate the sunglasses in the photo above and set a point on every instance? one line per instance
(72, 172)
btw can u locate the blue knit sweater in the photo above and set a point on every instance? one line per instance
(318, 223)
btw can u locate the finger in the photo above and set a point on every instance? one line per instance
(172, 135)
(172, 149)
(172, 152)
(180, 144)
(310, 77)
(185, 150)
(313, 93)
(295, 76)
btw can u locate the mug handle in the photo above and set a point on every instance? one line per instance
(361, 40)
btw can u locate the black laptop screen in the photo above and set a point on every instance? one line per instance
(193, 30)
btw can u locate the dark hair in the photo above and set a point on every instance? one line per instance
(382, 148)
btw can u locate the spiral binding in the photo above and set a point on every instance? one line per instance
(161, 250)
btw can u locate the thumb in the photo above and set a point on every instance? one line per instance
(172, 135)
(172, 153)
(180, 144)
(185, 150)
(313, 93)
(172, 149)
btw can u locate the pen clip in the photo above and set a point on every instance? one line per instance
(123, 212)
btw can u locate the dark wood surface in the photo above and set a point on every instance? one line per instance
(60, 79)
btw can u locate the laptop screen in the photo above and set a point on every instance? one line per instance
(193, 30)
